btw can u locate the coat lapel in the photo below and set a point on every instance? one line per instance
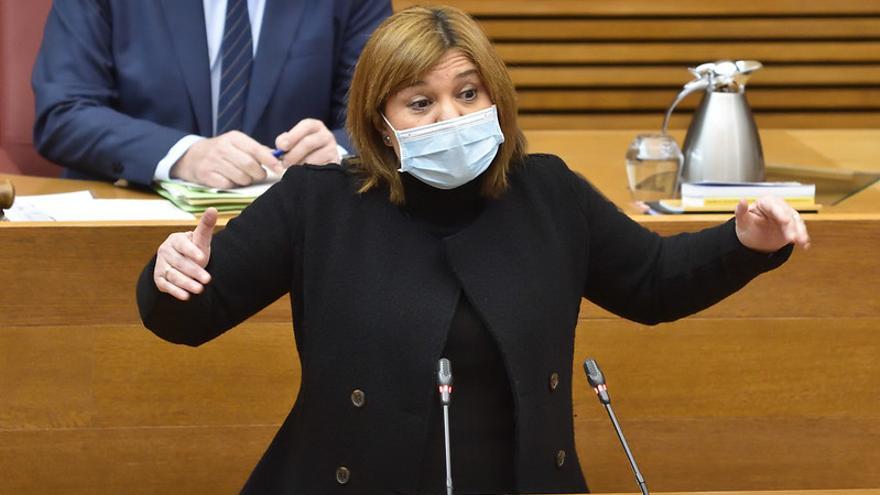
(281, 20)
(186, 24)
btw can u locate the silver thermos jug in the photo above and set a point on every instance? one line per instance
(722, 142)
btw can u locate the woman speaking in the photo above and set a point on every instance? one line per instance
(444, 238)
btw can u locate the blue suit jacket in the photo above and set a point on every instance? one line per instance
(117, 83)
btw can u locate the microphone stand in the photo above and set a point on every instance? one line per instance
(448, 454)
(444, 384)
(632, 461)
(597, 381)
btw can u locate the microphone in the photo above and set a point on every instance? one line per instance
(444, 384)
(444, 380)
(597, 381)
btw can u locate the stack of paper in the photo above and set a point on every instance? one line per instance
(81, 206)
(724, 196)
(194, 198)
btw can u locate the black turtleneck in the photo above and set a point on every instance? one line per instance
(481, 416)
(442, 211)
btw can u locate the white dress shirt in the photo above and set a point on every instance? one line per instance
(215, 20)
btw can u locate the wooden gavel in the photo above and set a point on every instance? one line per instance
(7, 193)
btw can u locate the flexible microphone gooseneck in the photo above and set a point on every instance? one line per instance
(597, 381)
(444, 384)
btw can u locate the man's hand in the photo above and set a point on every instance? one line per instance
(309, 141)
(229, 160)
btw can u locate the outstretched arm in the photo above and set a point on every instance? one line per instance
(637, 274)
(198, 285)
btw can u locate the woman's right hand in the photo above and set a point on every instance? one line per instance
(181, 259)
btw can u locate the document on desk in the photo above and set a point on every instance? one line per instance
(80, 206)
(196, 198)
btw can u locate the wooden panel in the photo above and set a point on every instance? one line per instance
(90, 285)
(624, 47)
(720, 455)
(251, 375)
(688, 52)
(734, 403)
(245, 364)
(659, 99)
(93, 286)
(653, 120)
(773, 388)
(726, 404)
(135, 460)
(672, 456)
(703, 367)
(538, 8)
(672, 77)
(503, 29)
(122, 375)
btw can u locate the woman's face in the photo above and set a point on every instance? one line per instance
(451, 89)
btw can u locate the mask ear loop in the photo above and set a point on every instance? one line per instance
(388, 122)
(385, 137)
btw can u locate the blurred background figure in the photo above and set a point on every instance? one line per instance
(196, 90)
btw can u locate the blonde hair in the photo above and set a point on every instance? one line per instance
(401, 51)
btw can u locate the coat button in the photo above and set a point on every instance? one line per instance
(554, 381)
(560, 458)
(342, 475)
(358, 398)
(117, 168)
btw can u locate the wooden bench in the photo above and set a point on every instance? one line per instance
(618, 64)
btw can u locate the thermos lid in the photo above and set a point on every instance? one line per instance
(726, 75)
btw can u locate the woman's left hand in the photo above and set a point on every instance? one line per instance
(769, 224)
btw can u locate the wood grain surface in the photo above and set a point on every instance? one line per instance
(614, 64)
(775, 388)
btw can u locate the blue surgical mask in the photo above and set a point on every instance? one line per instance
(453, 152)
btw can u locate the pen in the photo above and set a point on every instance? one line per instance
(278, 153)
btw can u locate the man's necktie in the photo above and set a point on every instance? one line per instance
(237, 59)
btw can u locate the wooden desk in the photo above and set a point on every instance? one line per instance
(774, 388)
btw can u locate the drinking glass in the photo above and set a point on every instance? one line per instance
(653, 164)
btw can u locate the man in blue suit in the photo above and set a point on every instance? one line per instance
(196, 89)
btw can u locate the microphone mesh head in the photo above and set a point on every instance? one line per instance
(444, 373)
(590, 366)
(594, 374)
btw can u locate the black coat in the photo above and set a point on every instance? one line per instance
(373, 293)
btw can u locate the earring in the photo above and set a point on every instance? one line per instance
(386, 139)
